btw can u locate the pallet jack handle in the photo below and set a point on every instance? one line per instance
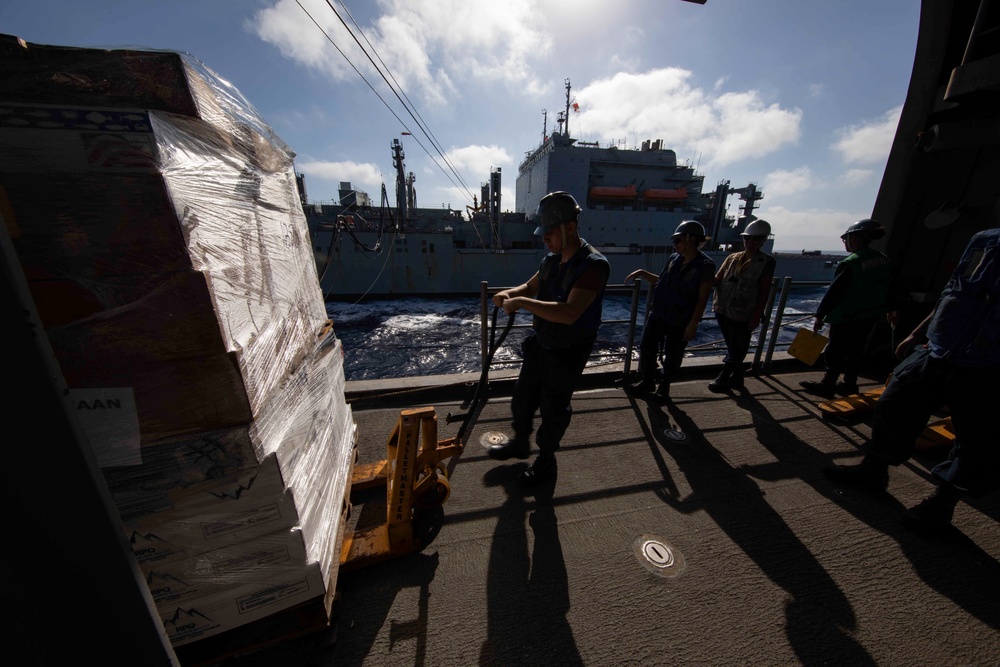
(471, 416)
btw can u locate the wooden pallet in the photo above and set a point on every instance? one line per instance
(938, 435)
(853, 405)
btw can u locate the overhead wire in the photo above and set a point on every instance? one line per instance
(382, 99)
(418, 118)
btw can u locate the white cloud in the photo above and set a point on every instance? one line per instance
(853, 177)
(817, 90)
(869, 142)
(471, 161)
(663, 104)
(365, 176)
(478, 159)
(782, 182)
(285, 25)
(428, 47)
(808, 229)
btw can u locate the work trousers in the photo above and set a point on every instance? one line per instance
(656, 334)
(919, 386)
(845, 350)
(546, 383)
(737, 336)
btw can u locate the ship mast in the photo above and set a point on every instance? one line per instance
(495, 208)
(566, 113)
(397, 162)
(750, 196)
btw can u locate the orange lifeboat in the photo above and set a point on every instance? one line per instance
(605, 192)
(652, 194)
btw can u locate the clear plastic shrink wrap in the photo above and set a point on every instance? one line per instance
(156, 217)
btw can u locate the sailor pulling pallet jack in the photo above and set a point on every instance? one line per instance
(565, 297)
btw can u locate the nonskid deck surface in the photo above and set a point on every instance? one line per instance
(767, 561)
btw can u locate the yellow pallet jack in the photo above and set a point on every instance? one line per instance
(413, 473)
(414, 477)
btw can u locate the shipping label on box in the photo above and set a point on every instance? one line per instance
(110, 420)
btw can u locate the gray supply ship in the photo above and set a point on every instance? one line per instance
(632, 201)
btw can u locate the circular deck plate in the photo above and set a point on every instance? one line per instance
(491, 438)
(676, 436)
(658, 556)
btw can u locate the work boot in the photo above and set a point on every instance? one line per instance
(846, 388)
(516, 448)
(932, 516)
(822, 388)
(870, 475)
(720, 383)
(542, 470)
(643, 386)
(736, 380)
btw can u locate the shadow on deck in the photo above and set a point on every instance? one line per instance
(773, 563)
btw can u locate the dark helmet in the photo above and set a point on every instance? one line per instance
(555, 208)
(692, 227)
(867, 229)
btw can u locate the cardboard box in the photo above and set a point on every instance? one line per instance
(87, 226)
(260, 561)
(213, 515)
(179, 396)
(177, 463)
(232, 608)
(71, 76)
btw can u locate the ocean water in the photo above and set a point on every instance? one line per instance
(410, 337)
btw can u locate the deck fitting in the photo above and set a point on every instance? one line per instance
(658, 556)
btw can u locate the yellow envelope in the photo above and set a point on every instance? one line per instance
(807, 346)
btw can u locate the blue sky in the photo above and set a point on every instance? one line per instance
(801, 98)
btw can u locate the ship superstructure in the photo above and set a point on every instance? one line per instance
(632, 201)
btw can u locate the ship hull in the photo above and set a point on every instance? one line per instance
(427, 264)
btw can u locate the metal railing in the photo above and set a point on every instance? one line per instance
(763, 352)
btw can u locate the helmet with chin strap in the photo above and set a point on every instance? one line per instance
(555, 209)
(866, 229)
(690, 227)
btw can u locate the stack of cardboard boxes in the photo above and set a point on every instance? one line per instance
(156, 218)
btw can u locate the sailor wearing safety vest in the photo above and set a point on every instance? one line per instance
(565, 297)
(742, 286)
(854, 301)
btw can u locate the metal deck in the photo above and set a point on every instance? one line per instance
(772, 563)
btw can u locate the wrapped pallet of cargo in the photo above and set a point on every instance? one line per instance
(156, 218)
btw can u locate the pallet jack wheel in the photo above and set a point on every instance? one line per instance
(442, 469)
(434, 496)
